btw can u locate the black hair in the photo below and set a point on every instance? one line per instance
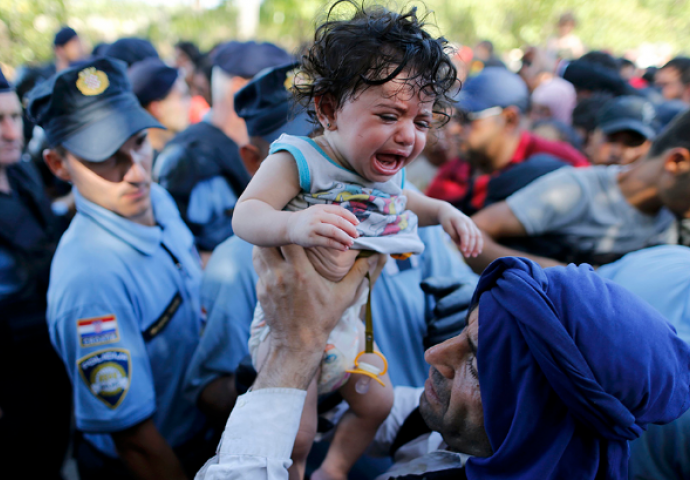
(189, 49)
(649, 74)
(586, 111)
(204, 66)
(624, 62)
(676, 134)
(369, 48)
(488, 44)
(682, 64)
(600, 58)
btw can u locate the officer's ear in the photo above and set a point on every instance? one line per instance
(251, 157)
(325, 106)
(57, 163)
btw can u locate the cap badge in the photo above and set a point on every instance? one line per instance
(92, 81)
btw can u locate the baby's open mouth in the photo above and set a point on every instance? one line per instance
(388, 163)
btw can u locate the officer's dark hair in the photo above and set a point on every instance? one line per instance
(682, 64)
(676, 134)
(586, 111)
(600, 58)
(371, 47)
(189, 49)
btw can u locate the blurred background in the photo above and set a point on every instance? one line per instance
(648, 32)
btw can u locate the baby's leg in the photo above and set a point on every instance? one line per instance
(358, 426)
(307, 425)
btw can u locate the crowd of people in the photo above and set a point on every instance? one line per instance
(382, 257)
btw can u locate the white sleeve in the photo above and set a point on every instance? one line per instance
(405, 401)
(258, 438)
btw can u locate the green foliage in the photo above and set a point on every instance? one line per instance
(27, 26)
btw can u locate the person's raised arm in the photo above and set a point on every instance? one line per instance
(259, 218)
(302, 308)
(146, 453)
(498, 221)
(459, 226)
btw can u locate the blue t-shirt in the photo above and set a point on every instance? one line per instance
(398, 306)
(125, 317)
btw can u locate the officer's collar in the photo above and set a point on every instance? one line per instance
(142, 238)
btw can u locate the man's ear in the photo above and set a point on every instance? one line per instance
(57, 164)
(251, 157)
(677, 161)
(512, 116)
(325, 107)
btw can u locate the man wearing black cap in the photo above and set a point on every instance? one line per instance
(499, 157)
(163, 95)
(626, 127)
(123, 299)
(201, 167)
(68, 48)
(131, 50)
(35, 398)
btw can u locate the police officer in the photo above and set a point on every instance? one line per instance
(164, 95)
(34, 389)
(201, 167)
(123, 305)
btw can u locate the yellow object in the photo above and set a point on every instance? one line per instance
(92, 81)
(368, 369)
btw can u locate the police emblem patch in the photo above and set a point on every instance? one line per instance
(92, 81)
(97, 330)
(107, 373)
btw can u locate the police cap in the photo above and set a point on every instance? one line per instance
(63, 36)
(131, 50)
(90, 110)
(151, 80)
(265, 105)
(246, 59)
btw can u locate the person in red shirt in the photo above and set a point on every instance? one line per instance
(498, 157)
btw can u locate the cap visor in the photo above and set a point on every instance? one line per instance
(100, 140)
(298, 126)
(628, 124)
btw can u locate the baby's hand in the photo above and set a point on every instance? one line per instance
(329, 226)
(462, 230)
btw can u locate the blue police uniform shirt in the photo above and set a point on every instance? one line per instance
(398, 306)
(125, 317)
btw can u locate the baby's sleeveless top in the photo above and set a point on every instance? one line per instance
(385, 226)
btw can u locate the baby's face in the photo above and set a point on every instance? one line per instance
(382, 129)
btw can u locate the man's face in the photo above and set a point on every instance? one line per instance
(619, 148)
(121, 183)
(72, 51)
(480, 138)
(668, 81)
(173, 110)
(11, 129)
(451, 403)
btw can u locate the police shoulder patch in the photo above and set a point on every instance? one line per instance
(97, 330)
(107, 375)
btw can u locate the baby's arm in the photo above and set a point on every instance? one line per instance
(459, 226)
(259, 217)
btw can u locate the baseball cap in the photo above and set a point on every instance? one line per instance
(63, 36)
(493, 87)
(628, 113)
(246, 59)
(151, 80)
(265, 105)
(90, 110)
(4, 84)
(131, 50)
(668, 110)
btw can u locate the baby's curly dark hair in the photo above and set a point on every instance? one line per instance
(372, 47)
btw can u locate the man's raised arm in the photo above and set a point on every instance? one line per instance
(302, 308)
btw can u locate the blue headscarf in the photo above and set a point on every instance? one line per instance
(571, 367)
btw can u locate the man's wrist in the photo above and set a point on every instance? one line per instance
(287, 367)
